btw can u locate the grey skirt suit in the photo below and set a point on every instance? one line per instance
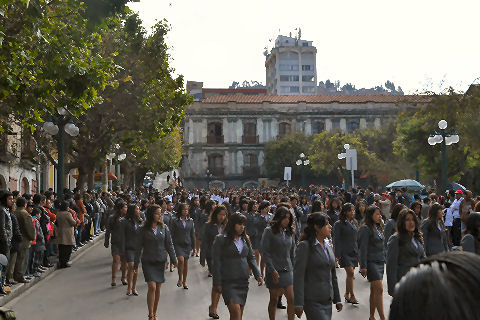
(262, 222)
(115, 236)
(278, 252)
(210, 231)
(345, 243)
(131, 229)
(183, 237)
(372, 253)
(230, 269)
(435, 238)
(153, 248)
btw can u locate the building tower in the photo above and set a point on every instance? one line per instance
(291, 67)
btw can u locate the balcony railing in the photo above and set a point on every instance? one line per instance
(216, 171)
(251, 171)
(215, 139)
(250, 139)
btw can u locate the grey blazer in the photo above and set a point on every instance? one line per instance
(182, 236)
(345, 240)
(390, 228)
(314, 275)
(231, 266)
(115, 230)
(435, 240)
(370, 243)
(131, 230)
(470, 244)
(400, 259)
(279, 253)
(155, 247)
(210, 231)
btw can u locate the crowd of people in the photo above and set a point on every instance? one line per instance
(292, 240)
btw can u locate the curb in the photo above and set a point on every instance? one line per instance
(20, 288)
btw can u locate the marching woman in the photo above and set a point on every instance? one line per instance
(404, 249)
(433, 231)
(391, 224)
(471, 239)
(263, 220)
(133, 223)
(154, 241)
(203, 218)
(372, 257)
(195, 213)
(360, 210)
(115, 231)
(346, 247)
(333, 210)
(252, 228)
(183, 236)
(232, 257)
(278, 244)
(212, 228)
(315, 285)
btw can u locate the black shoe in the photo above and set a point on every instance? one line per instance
(280, 304)
(212, 315)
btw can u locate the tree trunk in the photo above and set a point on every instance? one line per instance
(82, 178)
(91, 178)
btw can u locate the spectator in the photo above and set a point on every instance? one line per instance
(65, 234)
(27, 229)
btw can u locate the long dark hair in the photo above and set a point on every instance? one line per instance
(131, 216)
(236, 218)
(117, 211)
(404, 237)
(330, 204)
(473, 222)
(314, 219)
(396, 211)
(208, 206)
(250, 206)
(368, 221)
(218, 209)
(343, 214)
(433, 219)
(316, 206)
(280, 214)
(149, 217)
(180, 207)
(192, 208)
(358, 214)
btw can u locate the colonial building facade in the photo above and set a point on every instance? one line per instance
(225, 136)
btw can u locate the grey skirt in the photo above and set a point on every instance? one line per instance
(348, 261)
(130, 256)
(154, 271)
(116, 250)
(182, 251)
(285, 280)
(235, 291)
(375, 271)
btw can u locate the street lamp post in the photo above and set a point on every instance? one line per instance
(59, 125)
(117, 157)
(446, 137)
(302, 162)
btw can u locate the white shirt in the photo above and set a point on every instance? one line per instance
(325, 247)
(455, 208)
(239, 244)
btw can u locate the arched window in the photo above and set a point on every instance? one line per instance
(24, 186)
(3, 183)
(215, 164)
(318, 126)
(353, 125)
(284, 128)
(215, 133)
(250, 133)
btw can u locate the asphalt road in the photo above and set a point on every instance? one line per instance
(83, 292)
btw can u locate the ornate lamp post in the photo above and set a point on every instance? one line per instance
(446, 137)
(61, 123)
(302, 162)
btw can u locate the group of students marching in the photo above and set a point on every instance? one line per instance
(295, 254)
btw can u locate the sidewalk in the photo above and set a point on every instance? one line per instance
(20, 288)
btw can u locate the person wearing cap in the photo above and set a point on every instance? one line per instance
(455, 213)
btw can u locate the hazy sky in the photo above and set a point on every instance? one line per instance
(417, 44)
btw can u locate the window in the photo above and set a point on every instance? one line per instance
(317, 127)
(284, 128)
(308, 78)
(306, 67)
(215, 133)
(335, 124)
(308, 89)
(289, 67)
(215, 164)
(250, 129)
(250, 160)
(353, 125)
(294, 89)
(305, 44)
(289, 78)
(370, 123)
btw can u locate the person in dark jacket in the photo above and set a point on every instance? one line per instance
(391, 225)
(372, 257)
(183, 237)
(333, 210)
(214, 227)
(17, 240)
(195, 213)
(263, 220)
(154, 243)
(115, 230)
(346, 247)
(132, 225)
(405, 248)
(27, 229)
(433, 231)
(6, 203)
(278, 244)
(315, 285)
(471, 239)
(232, 258)
(39, 247)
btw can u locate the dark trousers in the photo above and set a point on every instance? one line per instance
(64, 253)
(456, 231)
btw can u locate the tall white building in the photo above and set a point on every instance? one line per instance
(291, 67)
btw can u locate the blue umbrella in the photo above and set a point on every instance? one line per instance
(455, 186)
(408, 183)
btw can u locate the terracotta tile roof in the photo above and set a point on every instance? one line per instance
(317, 99)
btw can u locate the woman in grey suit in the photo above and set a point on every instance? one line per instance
(471, 239)
(372, 257)
(212, 228)
(391, 224)
(263, 219)
(433, 229)
(133, 222)
(183, 236)
(115, 230)
(404, 249)
(278, 244)
(154, 241)
(346, 248)
(315, 285)
(232, 257)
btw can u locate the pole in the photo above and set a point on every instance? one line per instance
(303, 174)
(116, 182)
(61, 159)
(444, 163)
(353, 180)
